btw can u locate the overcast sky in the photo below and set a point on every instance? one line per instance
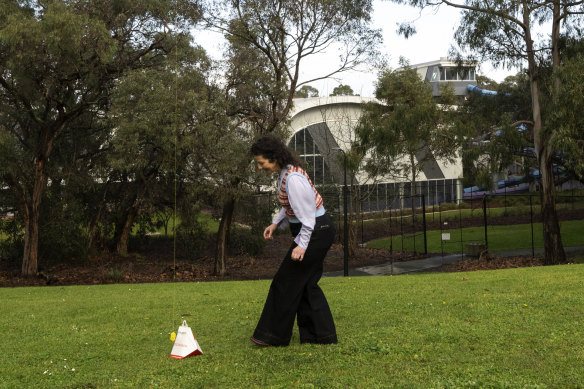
(434, 36)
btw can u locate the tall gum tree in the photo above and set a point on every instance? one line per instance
(280, 35)
(58, 60)
(158, 115)
(509, 33)
(409, 128)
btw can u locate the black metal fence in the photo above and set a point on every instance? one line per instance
(412, 226)
(509, 224)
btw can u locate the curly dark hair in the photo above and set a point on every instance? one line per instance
(274, 149)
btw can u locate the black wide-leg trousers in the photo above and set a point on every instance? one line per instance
(294, 293)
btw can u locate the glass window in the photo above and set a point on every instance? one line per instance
(432, 193)
(466, 74)
(308, 143)
(451, 74)
(292, 143)
(463, 74)
(318, 170)
(448, 191)
(407, 187)
(300, 142)
(382, 196)
(424, 191)
(310, 166)
(440, 191)
(435, 74)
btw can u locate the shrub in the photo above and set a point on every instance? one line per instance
(11, 240)
(244, 240)
(114, 275)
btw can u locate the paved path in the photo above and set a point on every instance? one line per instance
(418, 265)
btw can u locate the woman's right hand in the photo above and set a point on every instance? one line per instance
(269, 231)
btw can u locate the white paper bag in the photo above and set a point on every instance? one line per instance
(185, 344)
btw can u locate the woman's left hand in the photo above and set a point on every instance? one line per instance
(298, 253)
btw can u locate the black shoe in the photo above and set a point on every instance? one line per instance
(259, 342)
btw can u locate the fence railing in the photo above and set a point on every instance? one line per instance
(510, 223)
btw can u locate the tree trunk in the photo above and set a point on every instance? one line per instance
(124, 238)
(31, 222)
(131, 213)
(92, 227)
(223, 235)
(552, 238)
(553, 248)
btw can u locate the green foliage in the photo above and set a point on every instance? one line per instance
(507, 34)
(343, 90)
(11, 240)
(514, 328)
(114, 275)
(306, 91)
(61, 62)
(246, 241)
(490, 122)
(408, 128)
(569, 104)
(264, 68)
(62, 236)
(192, 235)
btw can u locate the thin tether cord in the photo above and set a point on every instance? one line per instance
(175, 176)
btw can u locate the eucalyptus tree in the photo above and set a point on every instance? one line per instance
(523, 33)
(306, 91)
(59, 60)
(409, 127)
(343, 90)
(159, 117)
(568, 107)
(285, 33)
(497, 129)
(269, 41)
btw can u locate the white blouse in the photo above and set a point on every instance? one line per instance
(301, 198)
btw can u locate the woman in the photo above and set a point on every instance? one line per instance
(294, 291)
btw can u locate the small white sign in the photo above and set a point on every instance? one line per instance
(446, 236)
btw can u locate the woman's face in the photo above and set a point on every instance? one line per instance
(266, 164)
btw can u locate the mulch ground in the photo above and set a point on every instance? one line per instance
(159, 266)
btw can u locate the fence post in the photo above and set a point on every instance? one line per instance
(390, 233)
(401, 227)
(485, 220)
(424, 222)
(531, 216)
(460, 229)
(440, 221)
(362, 226)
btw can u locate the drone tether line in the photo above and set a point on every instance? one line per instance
(175, 133)
(175, 169)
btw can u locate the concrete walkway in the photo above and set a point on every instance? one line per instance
(418, 265)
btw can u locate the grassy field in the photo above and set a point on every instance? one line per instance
(500, 238)
(498, 329)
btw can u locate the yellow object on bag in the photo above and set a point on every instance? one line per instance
(185, 344)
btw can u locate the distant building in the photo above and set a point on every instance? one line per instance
(322, 126)
(444, 71)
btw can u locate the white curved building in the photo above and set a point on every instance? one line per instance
(320, 126)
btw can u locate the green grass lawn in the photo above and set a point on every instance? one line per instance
(497, 329)
(500, 238)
